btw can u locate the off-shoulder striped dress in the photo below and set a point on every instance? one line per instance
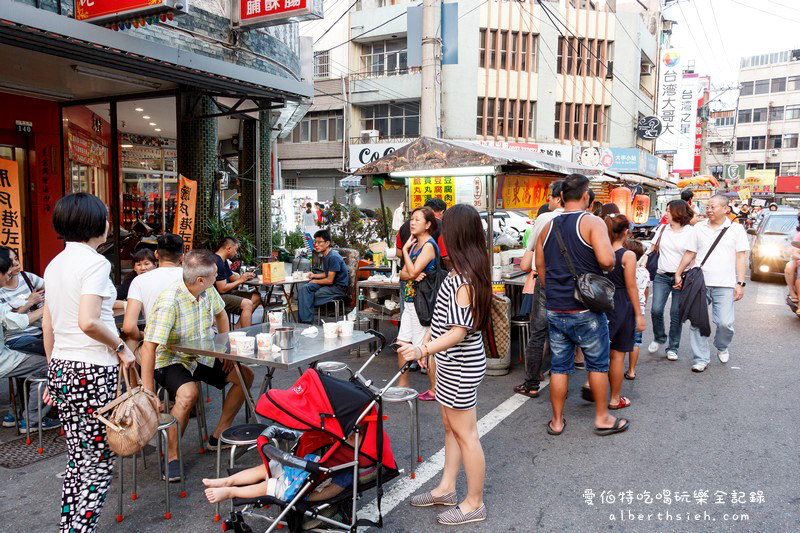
(460, 369)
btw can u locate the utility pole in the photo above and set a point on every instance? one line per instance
(431, 15)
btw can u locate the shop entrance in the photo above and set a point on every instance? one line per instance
(15, 147)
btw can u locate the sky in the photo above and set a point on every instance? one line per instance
(727, 30)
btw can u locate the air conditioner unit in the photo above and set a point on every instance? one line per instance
(646, 69)
(369, 135)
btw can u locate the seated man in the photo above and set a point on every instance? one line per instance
(322, 288)
(23, 292)
(236, 301)
(14, 364)
(185, 311)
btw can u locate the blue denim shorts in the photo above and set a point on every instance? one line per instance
(587, 331)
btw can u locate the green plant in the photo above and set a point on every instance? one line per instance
(349, 229)
(230, 225)
(294, 241)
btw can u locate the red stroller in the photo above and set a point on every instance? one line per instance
(342, 422)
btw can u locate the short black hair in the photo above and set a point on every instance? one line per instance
(228, 239)
(5, 261)
(574, 187)
(323, 234)
(556, 187)
(687, 195)
(145, 254)
(8, 250)
(437, 204)
(80, 217)
(170, 247)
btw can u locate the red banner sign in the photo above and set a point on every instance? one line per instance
(101, 9)
(86, 151)
(263, 12)
(185, 214)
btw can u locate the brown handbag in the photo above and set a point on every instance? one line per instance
(131, 419)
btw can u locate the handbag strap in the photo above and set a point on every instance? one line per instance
(564, 252)
(27, 281)
(719, 238)
(657, 246)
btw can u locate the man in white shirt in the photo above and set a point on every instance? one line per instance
(723, 273)
(146, 288)
(535, 350)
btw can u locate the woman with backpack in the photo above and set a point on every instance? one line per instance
(419, 259)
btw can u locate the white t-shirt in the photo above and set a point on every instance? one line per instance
(538, 225)
(672, 247)
(77, 271)
(148, 286)
(720, 269)
(642, 282)
(16, 298)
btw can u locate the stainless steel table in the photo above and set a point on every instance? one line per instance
(270, 287)
(307, 352)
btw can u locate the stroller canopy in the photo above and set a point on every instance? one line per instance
(321, 402)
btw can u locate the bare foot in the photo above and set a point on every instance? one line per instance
(212, 483)
(220, 494)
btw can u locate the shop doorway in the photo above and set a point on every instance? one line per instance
(16, 147)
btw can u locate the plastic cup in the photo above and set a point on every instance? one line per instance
(276, 319)
(234, 336)
(330, 330)
(245, 345)
(264, 341)
(346, 328)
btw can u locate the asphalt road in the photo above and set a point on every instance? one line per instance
(732, 429)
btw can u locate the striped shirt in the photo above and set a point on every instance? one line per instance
(18, 297)
(460, 369)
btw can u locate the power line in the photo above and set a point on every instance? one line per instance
(783, 17)
(694, 39)
(580, 43)
(721, 42)
(384, 23)
(705, 33)
(346, 11)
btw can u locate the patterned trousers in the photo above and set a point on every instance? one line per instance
(80, 389)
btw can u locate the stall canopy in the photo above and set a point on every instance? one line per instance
(427, 153)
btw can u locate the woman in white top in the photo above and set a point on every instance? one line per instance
(83, 350)
(672, 239)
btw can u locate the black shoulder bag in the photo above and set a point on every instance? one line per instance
(653, 255)
(710, 250)
(30, 288)
(427, 290)
(594, 291)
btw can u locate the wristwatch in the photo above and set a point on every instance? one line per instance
(120, 347)
(741, 283)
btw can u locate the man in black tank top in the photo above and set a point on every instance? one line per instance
(570, 324)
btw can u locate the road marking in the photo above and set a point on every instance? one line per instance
(771, 295)
(404, 487)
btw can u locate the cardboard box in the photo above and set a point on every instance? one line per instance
(273, 272)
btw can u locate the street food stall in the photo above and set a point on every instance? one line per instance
(486, 177)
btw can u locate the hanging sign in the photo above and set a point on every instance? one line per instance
(185, 211)
(10, 218)
(258, 13)
(734, 173)
(744, 194)
(86, 151)
(669, 91)
(105, 11)
(649, 128)
(522, 192)
(683, 162)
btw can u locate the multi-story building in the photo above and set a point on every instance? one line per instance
(556, 75)
(720, 140)
(768, 116)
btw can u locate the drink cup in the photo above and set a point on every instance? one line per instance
(275, 319)
(264, 342)
(233, 338)
(330, 330)
(346, 328)
(245, 345)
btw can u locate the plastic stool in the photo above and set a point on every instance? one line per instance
(242, 435)
(40, 382)
(523, 323)
(410, 396)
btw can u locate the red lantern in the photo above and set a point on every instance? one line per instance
(641, 208)
(621, 196)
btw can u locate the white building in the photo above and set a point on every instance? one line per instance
(571, 73)
(768, 117)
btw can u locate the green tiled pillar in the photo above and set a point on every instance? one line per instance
(197, 156)
(264, 242)
(248, 202)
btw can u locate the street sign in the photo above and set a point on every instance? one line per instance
(649, 128)
(734, 172)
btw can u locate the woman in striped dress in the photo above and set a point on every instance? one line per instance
(462, 311)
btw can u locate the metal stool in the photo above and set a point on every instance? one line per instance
(236, 436)
(338, 309)
(410, 396)
(523, 323)
(40, 382)
(121, 469)
(333, 367)
(200, 413)
(165, 421)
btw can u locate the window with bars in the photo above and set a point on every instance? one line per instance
(482, 48)
(392, 120)
(322, 127)
(322, 64)
(513, 50)
(384, 58)
(510, 117)
(583, 57)
(580, 120)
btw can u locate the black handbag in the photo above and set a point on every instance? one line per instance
(653, 255)
(594, 291)
(425, 291)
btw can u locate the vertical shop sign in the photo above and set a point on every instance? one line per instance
(10, 219)
(669, 91)
(687, 125)
(185, 211)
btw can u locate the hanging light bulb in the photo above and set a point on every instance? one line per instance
(357, 199)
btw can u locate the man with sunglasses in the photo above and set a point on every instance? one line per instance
(723, 273)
